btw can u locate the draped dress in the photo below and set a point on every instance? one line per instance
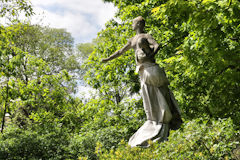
(160, 106)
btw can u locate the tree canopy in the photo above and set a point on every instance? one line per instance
(39, 66)
(199, 49)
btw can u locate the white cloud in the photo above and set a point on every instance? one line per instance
(82, 18)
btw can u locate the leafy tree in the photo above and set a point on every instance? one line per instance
(43, 113)
(85, 49)
(200, 52)
(207, 55)
(55, 46)
(30, 86)
(9, 54)
(105, 122)
(10, 9)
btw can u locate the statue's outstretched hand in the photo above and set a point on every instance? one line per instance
(114, 55)
(104, 60)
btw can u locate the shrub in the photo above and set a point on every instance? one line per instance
(201, 138)
(16, 143)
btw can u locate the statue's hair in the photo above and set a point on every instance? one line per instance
(140, 19)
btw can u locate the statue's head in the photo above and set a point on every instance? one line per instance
(138, 22)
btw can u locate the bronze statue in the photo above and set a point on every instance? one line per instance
(159, 103)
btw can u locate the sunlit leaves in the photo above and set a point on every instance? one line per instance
(198, 139)
(11, 9)
(208, 52)
(200, 52)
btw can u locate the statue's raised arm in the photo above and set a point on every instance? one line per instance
(118, 53)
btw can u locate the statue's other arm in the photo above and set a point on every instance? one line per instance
(155, 45)
(119, 52)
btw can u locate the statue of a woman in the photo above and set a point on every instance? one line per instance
(159, 103)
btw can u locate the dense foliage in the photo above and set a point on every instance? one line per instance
(54, 46)
(39, 66)
(198, 139)
(200, 51)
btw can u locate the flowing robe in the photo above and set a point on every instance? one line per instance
(159, 103)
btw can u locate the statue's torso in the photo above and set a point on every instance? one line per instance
(135, 39)
(145, 55)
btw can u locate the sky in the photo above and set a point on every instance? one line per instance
(82, 18)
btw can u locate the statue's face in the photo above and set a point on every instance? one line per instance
(138, 23)
(135, 24)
